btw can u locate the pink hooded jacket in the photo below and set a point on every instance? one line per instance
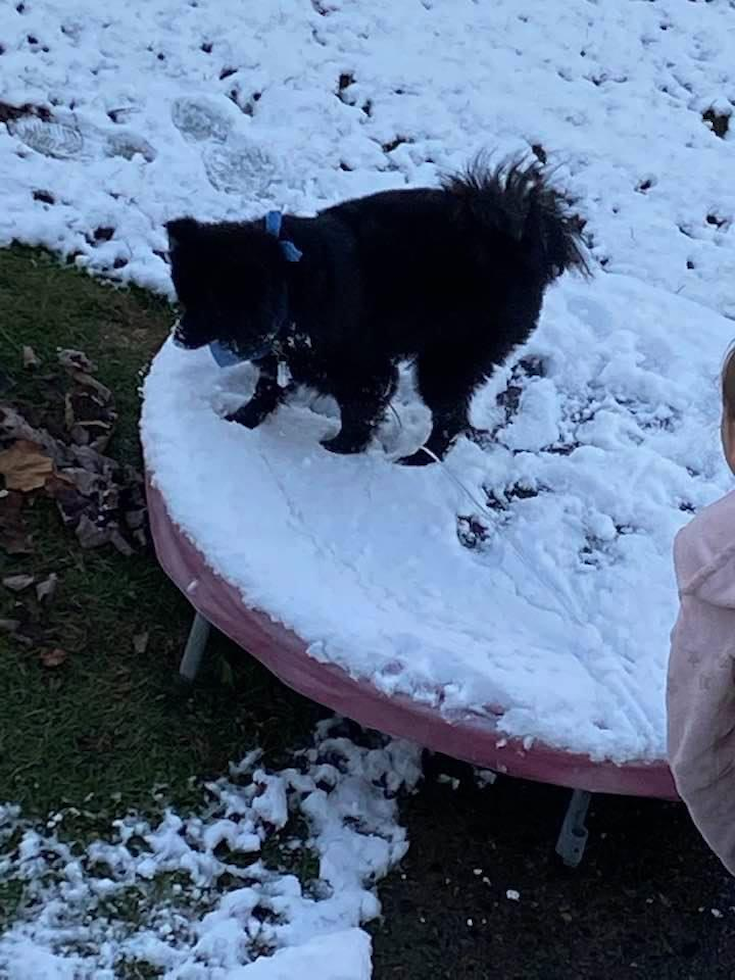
(701, 679)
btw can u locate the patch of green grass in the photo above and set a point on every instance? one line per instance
(11, 899)
(137, 970)
(107, 725)
(289, 851)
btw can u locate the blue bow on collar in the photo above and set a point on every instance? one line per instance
(273, 221)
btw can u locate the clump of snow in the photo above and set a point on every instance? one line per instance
(193, 895)
(341, 955)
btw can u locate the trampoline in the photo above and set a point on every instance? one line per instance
(471, 738)
(474, 738)
(499, 635)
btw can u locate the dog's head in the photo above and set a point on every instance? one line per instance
(230, 281)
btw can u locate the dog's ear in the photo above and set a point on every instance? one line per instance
(181, 231)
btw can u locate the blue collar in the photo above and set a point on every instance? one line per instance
(273, 221)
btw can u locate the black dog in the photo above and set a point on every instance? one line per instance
(450, 278)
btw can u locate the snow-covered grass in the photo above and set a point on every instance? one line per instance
(275, 865)
(167, 107)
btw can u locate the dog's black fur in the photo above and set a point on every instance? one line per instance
(451, 278)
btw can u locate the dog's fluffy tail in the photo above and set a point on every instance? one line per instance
(514, 198)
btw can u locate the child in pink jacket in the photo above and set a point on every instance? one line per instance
(701, 679)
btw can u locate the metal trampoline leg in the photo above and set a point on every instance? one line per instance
(195, 647)
(573, 835)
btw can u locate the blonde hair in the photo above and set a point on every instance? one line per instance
(727, 379)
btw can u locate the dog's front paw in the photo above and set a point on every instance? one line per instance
(250, 415)
(419, 458)
(343, 445)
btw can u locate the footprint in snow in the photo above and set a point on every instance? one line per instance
(199, 120)
(243, 168)
(590, 311)
(69, 139)
(128, 145)
(51, 139)
(233, 164)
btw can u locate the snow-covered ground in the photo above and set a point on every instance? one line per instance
(299, 103)
(556, 605)
(196, 898)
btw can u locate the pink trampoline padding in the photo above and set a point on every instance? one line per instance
(473, 738)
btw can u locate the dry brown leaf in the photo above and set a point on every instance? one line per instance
(102, 392)
(70, 502)
(89, 413)
(53, 658)
(84, 481)
(30, 359)
(140, 642)
(90, 535)
(17, 583)
(25, 467)
(45, 590)
(14, 426)
(75, 360)
(135, 519)
(120, 543)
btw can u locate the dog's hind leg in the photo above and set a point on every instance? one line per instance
(446, 383)
(267, 397)
(362, 402)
